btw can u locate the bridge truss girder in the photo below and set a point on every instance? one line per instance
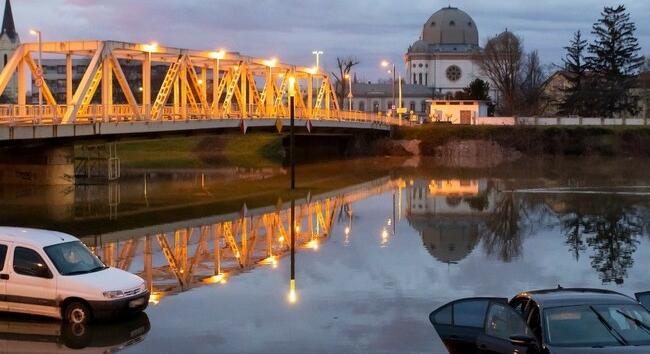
(243, 86)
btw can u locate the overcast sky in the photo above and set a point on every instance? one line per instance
(291, 29)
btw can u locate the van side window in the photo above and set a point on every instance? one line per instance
(3, 256)
(28, 262)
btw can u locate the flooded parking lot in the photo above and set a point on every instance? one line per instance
(378, 244)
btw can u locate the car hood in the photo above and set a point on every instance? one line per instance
(109, 279)
(607, 350)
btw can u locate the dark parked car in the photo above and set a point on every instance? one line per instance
(547, 322)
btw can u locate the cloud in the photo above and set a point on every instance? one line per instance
(291, 29)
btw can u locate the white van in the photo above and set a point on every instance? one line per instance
(53, 274)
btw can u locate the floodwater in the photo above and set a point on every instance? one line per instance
(378, 244)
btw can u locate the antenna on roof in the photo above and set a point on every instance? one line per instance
(559, 287)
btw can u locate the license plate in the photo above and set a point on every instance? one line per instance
(136, 302)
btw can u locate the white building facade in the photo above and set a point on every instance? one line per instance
(444, 56)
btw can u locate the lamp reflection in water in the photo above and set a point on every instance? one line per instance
(347, 208)
(292, 297)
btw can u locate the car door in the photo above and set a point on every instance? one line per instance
(32, 286)
(644, 299)
(505, 331)
(460, 322)
(4, 276)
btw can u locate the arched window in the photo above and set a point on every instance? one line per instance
(362, 106)
(423, 106)
(389, 105)
(452, 23)
(420, 78)
(415, 79)
(375, 107)
(426, 79)
(412, 106)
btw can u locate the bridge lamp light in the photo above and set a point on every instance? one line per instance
(312, 70)
(219, 55)
(151, 47)
(385, 63)
(271, 63)
(292, 93)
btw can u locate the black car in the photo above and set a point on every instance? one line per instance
(547, 322)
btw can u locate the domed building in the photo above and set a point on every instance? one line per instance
(443, 57)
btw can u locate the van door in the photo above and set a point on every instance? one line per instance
(4, 276)
(32, 286)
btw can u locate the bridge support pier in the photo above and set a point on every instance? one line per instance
(59, 165)
(37, 166)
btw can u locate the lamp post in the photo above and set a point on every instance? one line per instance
(269, 85)
(217, 56)
(385, 64)
(292, 142)
(317, 53)
(350, 96)
(38, 34)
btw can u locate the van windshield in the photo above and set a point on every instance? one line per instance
(73, 258)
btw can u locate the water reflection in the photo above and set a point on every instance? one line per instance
(454, 216)
(377, 245)
(20, 334)
(173, 258)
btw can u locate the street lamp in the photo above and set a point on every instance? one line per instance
(271, 63)
(317, 53)
(217, 56)
(385, 64)
(38, 34)
(350, 96)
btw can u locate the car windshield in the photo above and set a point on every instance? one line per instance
(72, 258)
(597, 326)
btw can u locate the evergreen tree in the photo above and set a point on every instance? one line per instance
(574, 98)
(615, 61)
(477, 90)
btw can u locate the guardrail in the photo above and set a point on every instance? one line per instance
(15, 115)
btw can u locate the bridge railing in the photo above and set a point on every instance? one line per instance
(11, 114)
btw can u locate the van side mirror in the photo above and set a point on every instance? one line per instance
(522, 340)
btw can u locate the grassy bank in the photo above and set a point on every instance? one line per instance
(258, 150)
(569, 140)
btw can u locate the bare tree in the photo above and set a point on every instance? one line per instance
(502, 62)
(344, 66)
(532, 100)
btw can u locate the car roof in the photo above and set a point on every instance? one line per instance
(576, 296)
(34, 237)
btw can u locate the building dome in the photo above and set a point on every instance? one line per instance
(450, 26)
(448, 240)
(419, 46)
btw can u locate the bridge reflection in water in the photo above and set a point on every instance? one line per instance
(176, 257)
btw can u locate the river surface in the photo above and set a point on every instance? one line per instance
(378, 244)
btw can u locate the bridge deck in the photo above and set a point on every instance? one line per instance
(195, 90)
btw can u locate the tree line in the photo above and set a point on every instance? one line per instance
(600, 74)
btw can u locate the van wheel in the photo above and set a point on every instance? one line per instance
(77, 312)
